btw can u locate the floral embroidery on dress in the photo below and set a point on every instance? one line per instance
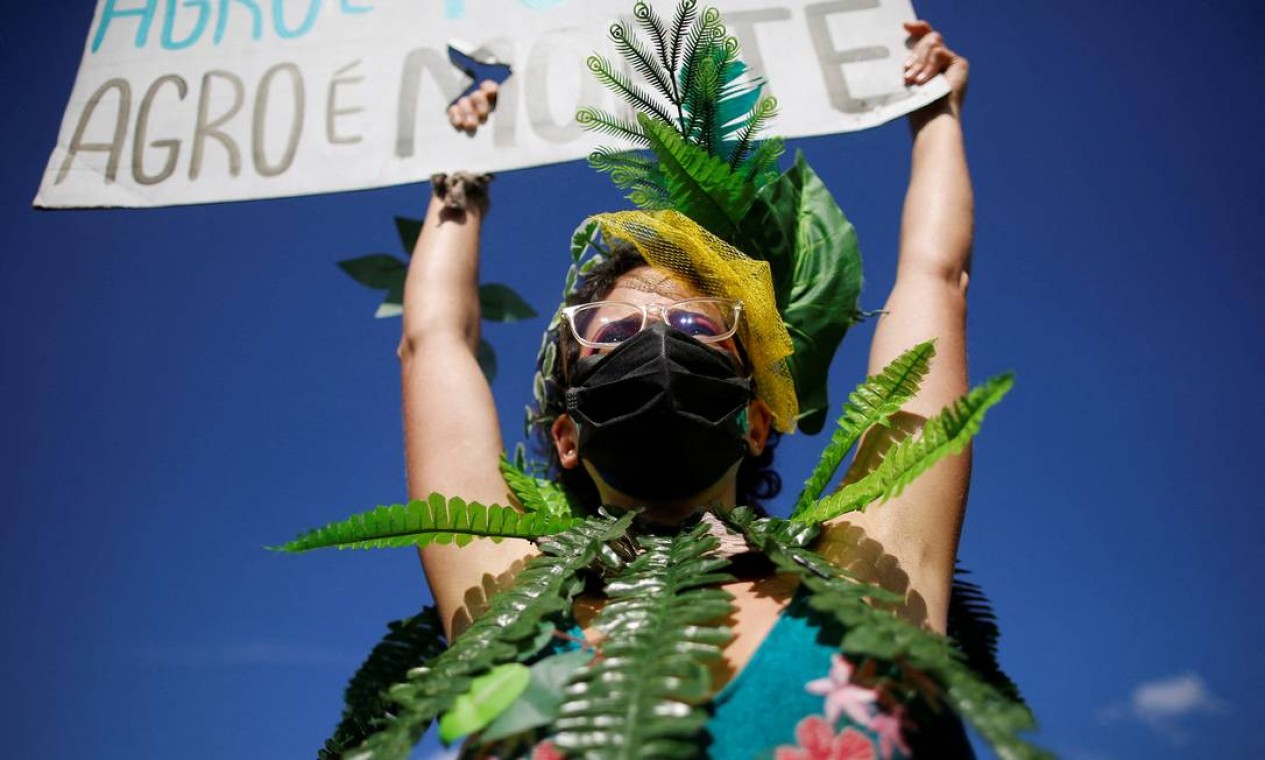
(818, 741)
(843, 696)
(816, 735)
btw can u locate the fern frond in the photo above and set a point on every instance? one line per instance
(539, 495)
(595, 120)
(881, 635)
(763, 111)
(616, 81)
(437, 520)
(644, 697)
(973, 629)
(652, 25)
(506, 632)
(704, 32)
(945, 434)
(634, 51)
(686, 13)
(701, 186)
(626, 167)
(410, 643)
(872, 403)
(761, 168)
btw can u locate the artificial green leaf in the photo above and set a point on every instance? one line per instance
(538, 494)
(486, 356)
(945, 434)
(487, 698)
(409, 230)
(505, 632)
(500, 303)
(542, 699)
(701, 186)
(435, 520)
(973, 629)
(377, 270)
(409, 644)
(872, 403)
(644, 696)
(393, 304)
(812, 249)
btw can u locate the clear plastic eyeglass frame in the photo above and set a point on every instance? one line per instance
(707, 320)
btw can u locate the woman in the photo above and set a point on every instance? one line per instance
(453, 436)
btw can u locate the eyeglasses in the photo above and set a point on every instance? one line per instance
(606, 324)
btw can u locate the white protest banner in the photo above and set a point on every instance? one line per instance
(197, 101)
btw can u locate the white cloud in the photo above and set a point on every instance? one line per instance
(1162, 704)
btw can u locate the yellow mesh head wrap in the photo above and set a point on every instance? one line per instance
(672, 241)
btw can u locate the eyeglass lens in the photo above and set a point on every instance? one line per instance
(610, 323)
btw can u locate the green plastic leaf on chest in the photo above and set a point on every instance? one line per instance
(487, 698)
(541, 701)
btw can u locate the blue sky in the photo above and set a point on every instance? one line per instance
(184, 386)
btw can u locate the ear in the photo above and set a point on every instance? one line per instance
(566, 441)
(759, 424)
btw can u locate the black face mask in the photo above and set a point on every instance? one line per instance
(661, 416)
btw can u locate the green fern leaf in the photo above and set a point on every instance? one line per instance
(538, 494)
(617, 82)
(643, 697)
(410, 643)
(682, 22)
(634, 51)
(761, 168)
(943, 435)
(597, 120)
(754, 121)
(506, 632)
(881, 635)
(701, 186)
(705, 32)
(872, 403)
(436, 520)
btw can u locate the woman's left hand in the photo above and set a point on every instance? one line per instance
(930, 56)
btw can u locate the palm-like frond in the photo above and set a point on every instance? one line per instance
(872, 403)
(409, 643)
(597, 120)
(643, 697)
(943, 435)
(881, 635)
(507, 631)
(436, 520)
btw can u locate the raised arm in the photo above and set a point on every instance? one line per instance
(451, 432)
(920, 529)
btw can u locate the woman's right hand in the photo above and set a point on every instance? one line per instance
(472, 110)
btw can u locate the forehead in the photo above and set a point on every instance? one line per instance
(646, 285)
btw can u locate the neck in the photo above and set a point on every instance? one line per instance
(723, 493)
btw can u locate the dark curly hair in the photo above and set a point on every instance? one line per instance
(757, 480)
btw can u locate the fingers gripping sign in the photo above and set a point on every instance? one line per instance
(471, 108)
(929, 56)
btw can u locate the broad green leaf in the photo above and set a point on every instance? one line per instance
(435, 520)
(945, 434)
(500, 303)
(380, 271)
(872, 403)
(393, 304)
(486, 355)
(410, 230)
(584, 236)
(812, 249)
(542, 699)
(487, 698)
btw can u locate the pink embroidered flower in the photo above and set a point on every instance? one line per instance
(546, 751)
(817, 741)
(888, 727)
(842, 696)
